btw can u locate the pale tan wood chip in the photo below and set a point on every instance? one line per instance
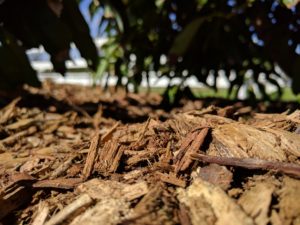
(81, 201)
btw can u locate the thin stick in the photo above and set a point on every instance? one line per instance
(109, 133)
(144, 130)
(250, 163)
(59, 183)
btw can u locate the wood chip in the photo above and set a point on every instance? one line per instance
(215, 208)
(81, 201)
(289, 207)
(7, 112)
(14, 138)
(184, 215)
(99, 189)
(42, 214)
(217, 175)
(146, 169)
(241, 141)
(109, 133)
(21, 124)
(62, 168)
(144, 130)
(171, 179)
(90, 159)
(256, 202)
(185, 161)
(109, 158)
(12, 198)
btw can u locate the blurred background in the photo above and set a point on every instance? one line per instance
(229, 48)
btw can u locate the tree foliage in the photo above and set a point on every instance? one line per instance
(200, 37)
(247, 40)
(31, 23)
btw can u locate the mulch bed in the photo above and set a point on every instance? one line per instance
(76, 155)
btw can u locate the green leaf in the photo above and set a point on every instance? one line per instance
(159, 3)
(104, 63)
(290, 3)
(111, 11)
(183, 40)
(202, 2)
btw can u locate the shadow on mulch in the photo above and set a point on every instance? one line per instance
(112, 109)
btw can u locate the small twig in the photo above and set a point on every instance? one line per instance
(79, 109)
(107, 136)
(171, 179)
(62, 167)
(97, 117)
(17, 136)
(250, 163)
(144, 130)
(7, 111)
(59, 183)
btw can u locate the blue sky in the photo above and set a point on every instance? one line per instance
(94, 21)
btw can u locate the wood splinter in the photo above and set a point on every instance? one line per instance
(250, 163)
(92, 154)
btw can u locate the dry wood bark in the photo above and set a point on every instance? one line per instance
(256, 202)
(92, 154)
(109, 133)
(240, 140)
(12, 198)
(183, 215)
(13, 138)
(217, 175)
(59, 183)
(289, 207)
(183, 160)
(62, 215)
(47, 160)
(208, 204)
(109, 157)
(41, 215)
(8, 111)
(113, 201)
(109, 211)
(99, 189)
(16, 193)
(171, 179)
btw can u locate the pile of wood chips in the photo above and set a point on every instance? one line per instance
(213, 165)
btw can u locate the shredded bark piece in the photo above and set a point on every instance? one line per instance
(90, 160)
(59, 183)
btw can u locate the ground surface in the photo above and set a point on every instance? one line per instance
(74, 155)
